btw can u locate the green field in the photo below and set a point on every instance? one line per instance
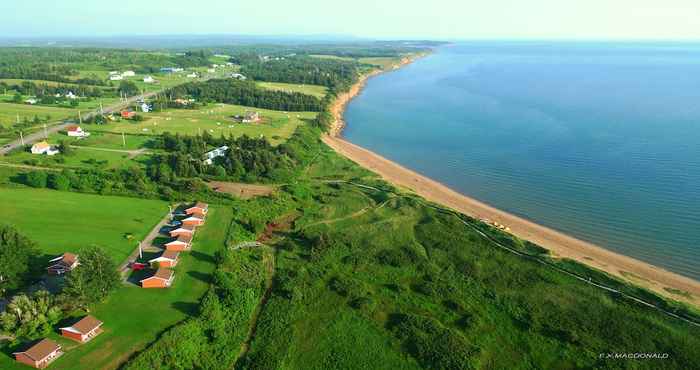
(314, 90)
(103, 139)
(65, 222)
(83, 157)
(216, 119)
(134, 317)
(10, 111)
(382, 62)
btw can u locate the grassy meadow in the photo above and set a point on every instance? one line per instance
(65, 222)
(85, 157)
(314, 90)
(217, 119)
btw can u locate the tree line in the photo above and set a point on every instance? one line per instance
(232, 91)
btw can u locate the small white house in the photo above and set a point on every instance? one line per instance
(70, 95)
(31, 101)
(116, 77)
(128, 74)
(211, 70)
(43, 147)
(192, 75)
(76, 131)
(145, 107)
(238, 76)
(149, 80)
(113, 73)
(218, 152)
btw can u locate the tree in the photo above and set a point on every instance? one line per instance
(17, 260)
(93, 280)
(65, 148)
(17, 98)
(30, 317)
(128, 88)
(37, 179)
(59, 181)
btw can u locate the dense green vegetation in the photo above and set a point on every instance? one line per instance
(232, 91)
(18, 260)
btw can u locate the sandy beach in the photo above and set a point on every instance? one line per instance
(559, 244)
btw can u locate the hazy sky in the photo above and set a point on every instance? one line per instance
(460, 19)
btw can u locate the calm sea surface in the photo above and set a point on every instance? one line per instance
(600, 141)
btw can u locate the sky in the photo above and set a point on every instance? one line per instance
(385, 19)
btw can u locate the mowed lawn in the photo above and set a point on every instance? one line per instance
(134, 317)
(314, 90)
(217, 119)
(86, 157)
(9, 112)
(66, 222)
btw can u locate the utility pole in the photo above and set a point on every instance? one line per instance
(17, 117)
(46, 134)
(102, 111)
(80, 118)
(21, 138)
(123, 140)
(140, 251)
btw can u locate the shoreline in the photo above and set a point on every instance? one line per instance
(557, 243)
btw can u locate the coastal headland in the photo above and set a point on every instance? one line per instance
(560, 245)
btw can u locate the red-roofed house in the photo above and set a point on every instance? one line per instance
(62, 264)
(182, 243)
(199, 209)
(84, 330)
(193, 221)
(182, 230)
(163, 278)
(127, 114)
(169, 258)
(40, 355)
(76, 131)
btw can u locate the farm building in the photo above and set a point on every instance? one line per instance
(163, 278)
(192, 75)
(40, 355)
(43, 147)
(116, 78)
(198, 209)
(145, 107)
(62, 264)
(238, 76)
(218, 152)
(249, 117)
(128, 74)
(84, 330)
(182, 230)
(169, 258)
(76, 131)
(149, 80)
(182, 243)
(31, 101)
(193, 220)
(171, 69)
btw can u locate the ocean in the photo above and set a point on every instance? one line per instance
(600, 141)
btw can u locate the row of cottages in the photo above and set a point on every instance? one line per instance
(182, 241)
(43, 353)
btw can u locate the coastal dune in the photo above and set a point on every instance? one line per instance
(560, 245)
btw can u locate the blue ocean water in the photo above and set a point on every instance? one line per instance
(598, 140)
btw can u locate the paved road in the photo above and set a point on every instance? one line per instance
(39, 135)
(147, 244)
